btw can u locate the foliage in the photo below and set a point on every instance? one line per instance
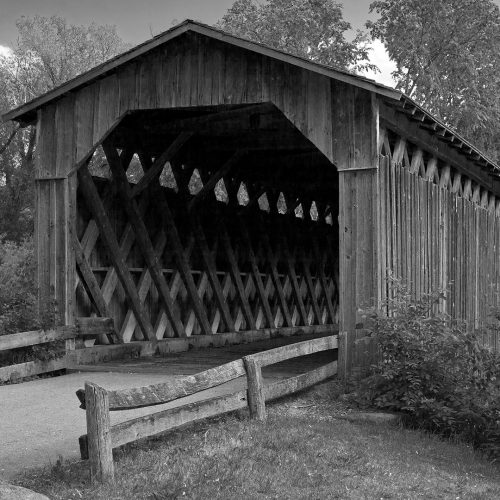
(18, 303)
(447, 55)
(314, 29)
(49, 51)
(17, 287)
(435, 371)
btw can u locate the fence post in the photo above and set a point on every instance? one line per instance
(99, 434)
(256, 399)
(344, 359)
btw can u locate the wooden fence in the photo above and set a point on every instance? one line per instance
(85, 328)
(102, 437)
(25, 339)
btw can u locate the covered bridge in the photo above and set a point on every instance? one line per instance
(250, 189)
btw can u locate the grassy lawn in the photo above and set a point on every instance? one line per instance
(303, 451)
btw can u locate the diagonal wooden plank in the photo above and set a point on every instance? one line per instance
(89, 278)
(256, 274)
(324, 284)
(236, 277)
(89, 240)
(143, 286)
(273, 261)
(182, 261)
(142, 237)
(290, 262)
(109, 240)
(211, 269)
(126, 242)
(159, 163)
(209, 186)
(90, 237)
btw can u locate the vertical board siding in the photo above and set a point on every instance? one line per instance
(435, 239)
(189, 71)
(195, 71)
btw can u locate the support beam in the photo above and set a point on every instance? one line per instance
(142, 237)
(211, 269)
(89, 279)
(209, 186)
(159, 163)
(109, 240)
(257, 275)
(236, 277)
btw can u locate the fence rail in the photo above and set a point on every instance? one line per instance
(26, 339)
(85, 328)
(101, 437)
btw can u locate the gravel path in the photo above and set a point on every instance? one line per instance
(40, 420)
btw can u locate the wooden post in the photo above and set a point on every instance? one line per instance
(256, 400)
(100, 449)
(343, 359)
(355, 139)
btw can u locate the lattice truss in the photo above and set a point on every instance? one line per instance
(426, 165)
(168, 250)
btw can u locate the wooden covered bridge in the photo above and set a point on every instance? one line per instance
(201, 184)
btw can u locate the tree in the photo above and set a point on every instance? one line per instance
(447, 55)
(309, 28)
(49, 52)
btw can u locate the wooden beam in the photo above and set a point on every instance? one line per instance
(210, 184)
(279, 354)
(256, 274)
(273, 261)
(143, 286)
(159, 162)
(100, 449)
(24, 339)
(290, 262)
(211, 268)
(236, 277)
(142, 237)
(181, 258)
(89, 278)
(156, 394)
(108, 238)
(255, 382)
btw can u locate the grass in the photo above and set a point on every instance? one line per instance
(305, 450)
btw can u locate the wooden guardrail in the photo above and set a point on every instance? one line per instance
(84, 328)
(102, 437)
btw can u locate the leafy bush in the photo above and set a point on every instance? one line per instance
(434, 371)
(17, 287)
(18, 308)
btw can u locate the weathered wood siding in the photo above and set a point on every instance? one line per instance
(438, 230)
(189, 71)
(355, 138)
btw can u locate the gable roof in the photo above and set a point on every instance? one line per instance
(25, 114)
(20, 113)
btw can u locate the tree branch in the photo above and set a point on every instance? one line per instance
(9, 140)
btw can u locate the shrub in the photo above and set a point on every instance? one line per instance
(17, 287)
(434, 371)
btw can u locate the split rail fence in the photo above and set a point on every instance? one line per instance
(85, 328)
(97, 445)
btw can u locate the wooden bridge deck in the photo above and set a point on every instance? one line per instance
(197, 360)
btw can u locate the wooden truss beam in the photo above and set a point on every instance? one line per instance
(142, 237)
(209, 186)
(108, 238)
(159, 163)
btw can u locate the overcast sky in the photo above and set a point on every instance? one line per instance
(137, 20)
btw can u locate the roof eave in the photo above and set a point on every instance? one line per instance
(24, 114)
